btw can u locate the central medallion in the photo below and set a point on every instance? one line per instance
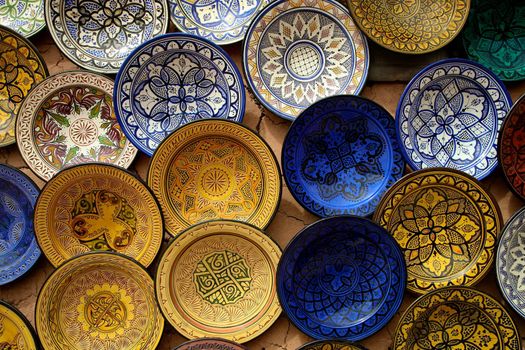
(304, 60)
(214, 182)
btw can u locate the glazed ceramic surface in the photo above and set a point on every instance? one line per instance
(172, 80)
(298, 52)
(98, 35)
(331, 345)
(223, 22)
(494, 36)
(215, 169)
(217, 279)
(18, 246)
(24, 16)
(340, 155)
(511, 147)
(447, 225)
(210, 344)
(21, 68)
(97, 207)
(342, 277)
(449, 116)
(69, 119)
(17, 332)
(410, 26)
(456, 318)
(99, 301)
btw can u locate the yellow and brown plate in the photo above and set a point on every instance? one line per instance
(97, 207)
(15, 330)
(102, 301)
(410, 26)
(215, 169)
(217, 279)
(456, 318)
(331, 345)
(446, 224)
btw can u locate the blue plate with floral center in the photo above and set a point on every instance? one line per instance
(172, 80)
(449, 116)
(18, 247)
(340, 155)
(341, 278)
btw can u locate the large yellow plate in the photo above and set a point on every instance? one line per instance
(15, 330)
(217, 279)
(97, 207)
(215, 169)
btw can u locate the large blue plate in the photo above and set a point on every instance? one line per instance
(449, 116)
(171, 80)
(18, 247)
(340, 155)
(341, 278)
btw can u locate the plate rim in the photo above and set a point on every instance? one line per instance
(211, 339)
(24, 320)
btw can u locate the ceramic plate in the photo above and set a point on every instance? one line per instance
(456, 318)
(25, 16)
(449, 116)
(215, 169)
(18, 247)
(101, 301)
(172, 80)
(218, 280)
(97, 207)
(21, 68)
(342, 277)
(69, 119)
(99, 34)
(223, 22)
(210, 344)
(511, 147)
(340, 155)
(300, 51)
(410, 26)
(17, 332)
(446, 224)
(494, 36)
(331, 345)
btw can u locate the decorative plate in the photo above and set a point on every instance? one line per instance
(446, 224)
(215, 169)
(494, 36)
(449, 116)
(410, 26)
(210, 344)
(18, 247)
(342, 277)
(218, 280)
(510, 262)
(297, 52)
(331, 345)
(99, 34)
(17, 332)
(172, 80)
(223, 22)
(99, 301)
(21, 68)
(97, 207)
(69, 119)
(26, 17)
(456, 318)
(511, 147)
(340, 155)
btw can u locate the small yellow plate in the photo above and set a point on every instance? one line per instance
(15, 330)
(446, 224)
(215, 169)
(97, 207)
(102, 301)
(217, 279)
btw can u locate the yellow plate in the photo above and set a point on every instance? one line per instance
(215, 169)
(217, 279)
(101, 301)
(15, 330)
(97, 207)
(446, 224)
(410, 26)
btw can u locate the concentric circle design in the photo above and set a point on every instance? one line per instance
(17, 332)
(304, 60)
(342, 277)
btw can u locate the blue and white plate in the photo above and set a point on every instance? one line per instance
(340, 155)
(341, 278)
(449, 116)
(18, 247)
(172, 80)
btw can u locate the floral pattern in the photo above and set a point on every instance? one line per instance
(24, 16)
